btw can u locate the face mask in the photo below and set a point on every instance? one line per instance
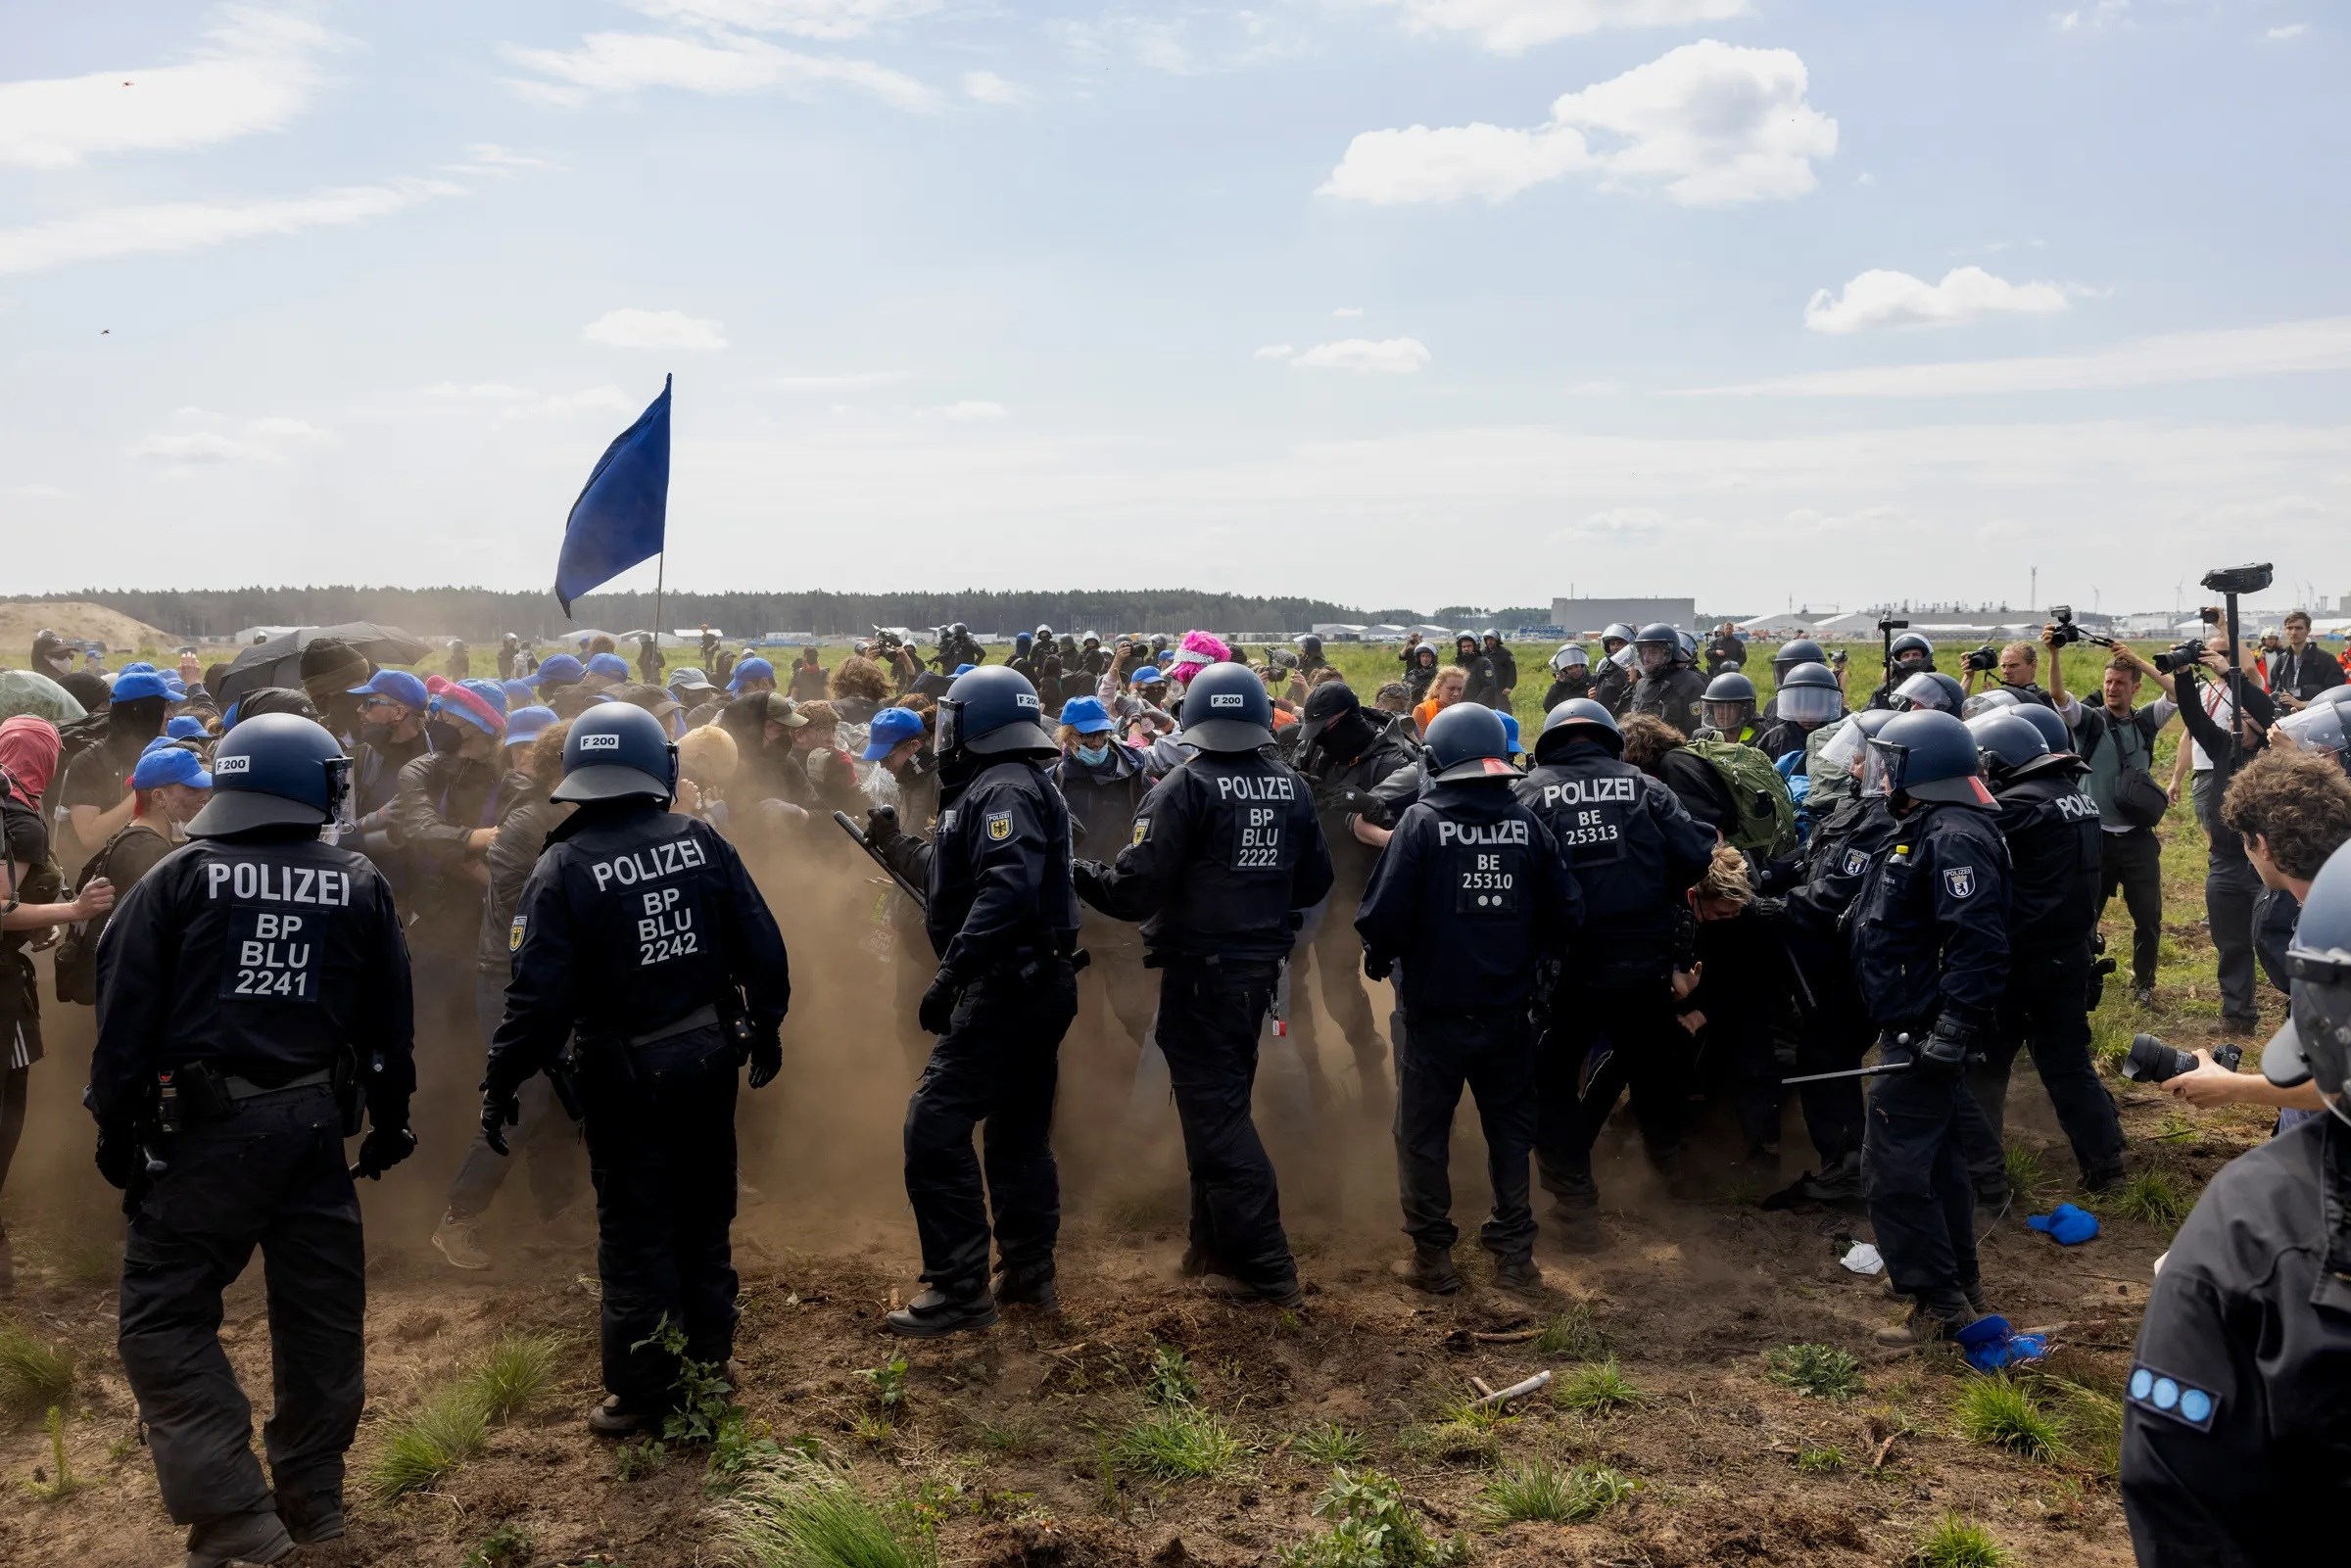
(1093, 756)
(443, 736)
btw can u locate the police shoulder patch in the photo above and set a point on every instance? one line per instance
(1856, 861)
(2173, 1399)
(1961, 880)
(1000, 826)
(1142, 829)
(514, 932)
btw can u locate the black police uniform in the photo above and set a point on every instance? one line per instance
(1929, 939)
(1634, 853)
(641, 932)
(1341, 785)
(1677, 695)
(1836, 1032)
(1226, 852)
(1004, 922)
(254, 962)
(2054, 852)
(2236, 1414)
(1726, 652)
(1469, 898)
(1611, 687)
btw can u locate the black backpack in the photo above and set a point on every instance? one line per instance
(76, 959)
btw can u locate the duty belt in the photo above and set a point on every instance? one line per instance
(237, 1088)
(701, 1018)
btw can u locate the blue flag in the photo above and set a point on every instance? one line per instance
(623, 510)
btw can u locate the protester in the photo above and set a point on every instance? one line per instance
(2118, 741)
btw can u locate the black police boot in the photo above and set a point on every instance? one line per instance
(1929, 1319)
(1517, 1273)
(1578, 1225)
(239, 1537)
(1022, 1287)
(612, 1419)
(2103, 1174)
(311, 1520)
(1196, 1262)
(935, 1313)
(1225, 1287)
(1836, 1186)
(1431, 1269)
(1992, 1191)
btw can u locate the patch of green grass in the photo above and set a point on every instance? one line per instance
(2115, 1023)
(1331, 1444)
(506, 1547)
(1819, 1371)
(2177, 1128)
(64, 1484)
(1170, 1381)
(795, 1512)
(1179, 1443)
(890, 1386)
(1451, 1441)
(2094, 1422)
(515, 1374)
(1595, 1389)
(34, 1374)
(2152, 1196)
(1372, 1526)
(1542, 1491)
(2027, 1171)
(1572, 1335)
(1821, 1459)
(449, 1429)
(1014, 1434)
(2002, 1413)
(1956, 1543)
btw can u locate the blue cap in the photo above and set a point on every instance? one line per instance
(965, 669)
(750, 670)
(1148, 675)
(519, 696)
(139, 683)
(559, 668)
(493, 693)
(892, 728)
(528, 723)
(1509, 731)
(136, 666)
(398, 686)
(187, 727)
(1086, 716)
(174, 687)
(610, 667)
(170, 764)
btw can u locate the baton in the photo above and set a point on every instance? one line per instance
(857, 834)
(1882, 1070)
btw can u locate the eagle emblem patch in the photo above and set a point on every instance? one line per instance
(1000, 826)
(514, 932)
(1142, 829)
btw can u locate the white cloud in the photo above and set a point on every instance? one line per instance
(256, 70)
(1346, 312)
(507, 402)
(654, 329)
(1709, 122)
(1627, 525)
(805, 19)
(2090, 17)
(1508, 27)
(620, 63)
(1882, 299)
(1394, 356)
(2283, 349)
(1274, 350)
(198, 439)
(489, 161)
(190, 225)
(2291, 29)
(986, 87)
(972, 410)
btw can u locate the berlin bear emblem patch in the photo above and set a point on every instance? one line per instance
(1961, 880)
(1000, 826)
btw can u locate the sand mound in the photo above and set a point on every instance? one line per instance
(74, 618)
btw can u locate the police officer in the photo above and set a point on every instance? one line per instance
(1907, 655)
(641, 932)
(2238, 1401)
(1929, 939)
(1226, 852)
(1469, 898)
(1309, 656)
(1612, 681)
(1570, 676)
(1634, 851)
(2052, 826)
(1808, 698)
(1004, 924)
(253, 992)
(1727, 709)
(1667, 688)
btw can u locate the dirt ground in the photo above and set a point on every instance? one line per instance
(1000, 1439)
(72, 618)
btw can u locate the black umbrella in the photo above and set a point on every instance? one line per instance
(278, 661)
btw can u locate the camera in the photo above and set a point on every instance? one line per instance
(2178, 658)
(1891, 625)
(1986, 657)
(2064, 632)
(2238, 579)
(2151, 1061)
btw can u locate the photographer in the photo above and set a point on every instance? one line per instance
(2301, 669)
(2017, 665)
(2118, 741)
(2230, 885)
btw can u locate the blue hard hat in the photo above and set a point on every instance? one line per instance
(1931, 755)
(397, 685)
(1468, 740)
(616, 750)
(1086, 716)
(137, 683)
(1226, 709)
(1577, 719)
(608, 667)
(528, 723)
(187, 727)
(273, 769)
(750, 670)
(992, 711)
(892, 728)
(168, 764)
(559, 668)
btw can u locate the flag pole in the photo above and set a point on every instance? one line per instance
(661, 572)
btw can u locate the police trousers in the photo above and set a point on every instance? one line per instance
(2044, 1010)
(1209, 1018)
(1597, 1042)
(996, 1069)
(1493, 1054)
(1832, 1034)
(544, 1135)
(268, 1174)
(660, 1124)
(1915, 1177)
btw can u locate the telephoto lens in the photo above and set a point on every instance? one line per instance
(2151, 1061)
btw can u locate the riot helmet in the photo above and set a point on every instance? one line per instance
(991, 710)
(1929, 688)
(616, 751)
(274, 769)
(1578, 718)
(1809, 695)
(1226, 709)
(1930, 755)
(1468, 740)
(1729, 703)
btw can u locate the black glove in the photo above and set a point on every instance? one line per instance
(1376, 967)
(1947, 1048)
(119, 1159)
(938, 1012)
(882, 826)
(766, 1056)
(498, 1113)
(382, 1149)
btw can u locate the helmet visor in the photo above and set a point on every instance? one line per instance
(1809, 704)
(950, 725)
(1881, 768)
(1987, 703)
(1729, 717)
(1655, 656)
(1842, 749)
(2317, 727)
(2319, 1012)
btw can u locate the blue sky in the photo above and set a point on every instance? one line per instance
(1396, 301)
